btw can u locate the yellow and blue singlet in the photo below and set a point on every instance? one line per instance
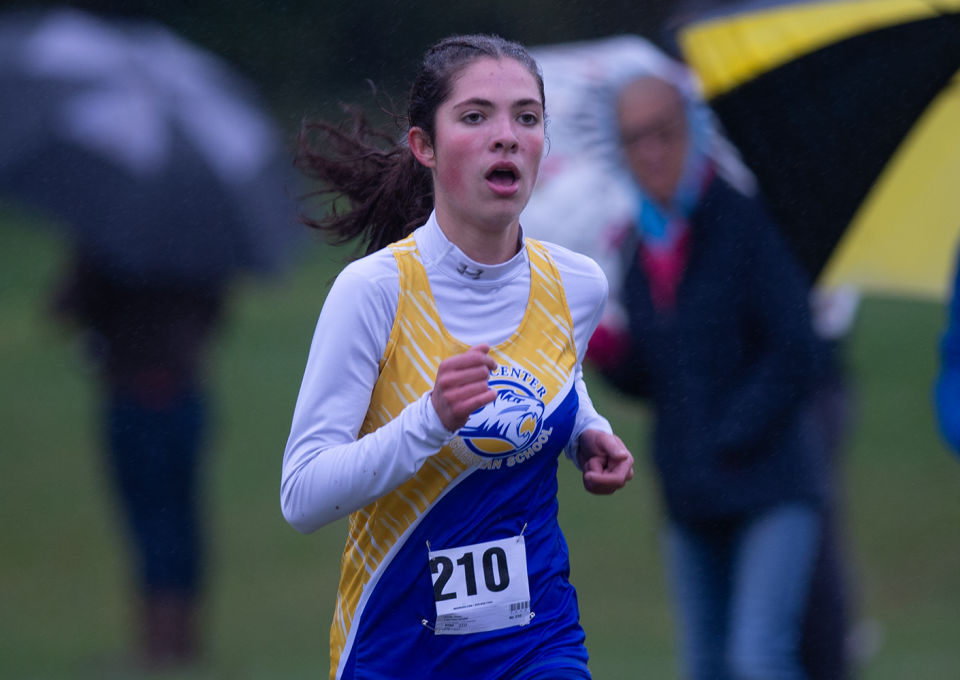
(496, 477)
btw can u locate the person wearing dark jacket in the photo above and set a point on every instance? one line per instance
(148, 340)
(727, 368)
(721, 343)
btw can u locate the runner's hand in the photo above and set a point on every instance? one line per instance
(461, 387)
(606, 463)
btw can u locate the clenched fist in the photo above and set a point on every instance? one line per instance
(461, 387)
(605, 460)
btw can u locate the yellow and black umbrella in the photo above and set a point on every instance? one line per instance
(848, 111)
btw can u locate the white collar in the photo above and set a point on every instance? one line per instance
(439, 251)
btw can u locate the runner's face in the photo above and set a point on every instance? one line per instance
(653, 129)
(488, 143)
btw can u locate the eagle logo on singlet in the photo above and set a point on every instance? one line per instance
(506, 426)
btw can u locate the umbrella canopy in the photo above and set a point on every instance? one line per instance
(152, 151)
(848, 112)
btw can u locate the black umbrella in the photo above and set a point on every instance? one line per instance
(152, 151)
(820, 97)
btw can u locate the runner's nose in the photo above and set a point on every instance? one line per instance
(505, 137)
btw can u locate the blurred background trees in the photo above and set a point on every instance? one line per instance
(304, 55)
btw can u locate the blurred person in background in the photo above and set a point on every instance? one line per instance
(148, 341)
(829, 645)
(589, 199)
(720, 339)
(947, 389)
(169, 178)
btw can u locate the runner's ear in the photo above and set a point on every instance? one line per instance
(421, 147)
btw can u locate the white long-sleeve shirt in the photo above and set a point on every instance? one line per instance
(327, 472)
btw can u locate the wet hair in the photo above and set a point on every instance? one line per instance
(372, 187)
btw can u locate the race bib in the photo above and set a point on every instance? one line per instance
(481, 587)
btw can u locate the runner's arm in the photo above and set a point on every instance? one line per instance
(327, 472)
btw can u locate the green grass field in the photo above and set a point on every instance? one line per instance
(63, 583)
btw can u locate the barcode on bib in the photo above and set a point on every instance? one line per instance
(518, 606)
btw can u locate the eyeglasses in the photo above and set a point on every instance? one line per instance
(666, 132)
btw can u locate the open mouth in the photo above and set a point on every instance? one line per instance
(502, 178)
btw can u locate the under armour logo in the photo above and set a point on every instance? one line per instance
(465, 270)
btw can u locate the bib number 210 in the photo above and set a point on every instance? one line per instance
(494, 579)
(481, 587)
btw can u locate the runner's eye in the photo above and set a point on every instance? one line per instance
(529, 118)
(472, 117)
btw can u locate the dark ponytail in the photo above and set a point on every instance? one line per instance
(388, 193)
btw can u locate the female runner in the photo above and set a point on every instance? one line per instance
(443, 382)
